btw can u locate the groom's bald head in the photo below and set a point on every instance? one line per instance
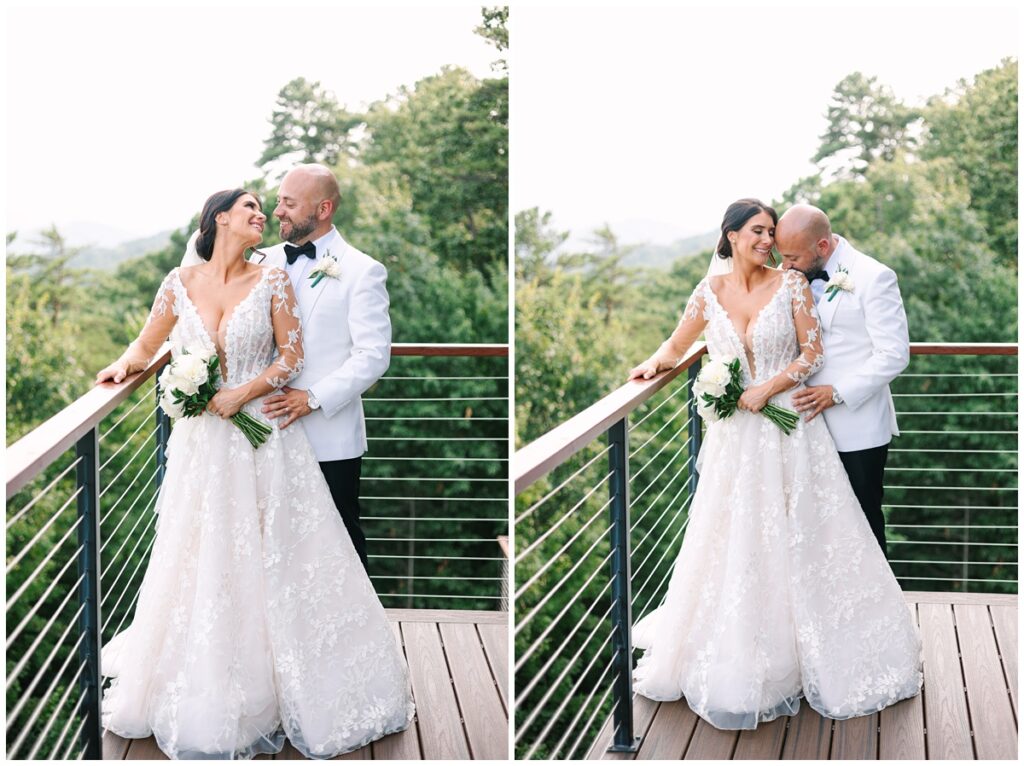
(307, 200)
(803, 237)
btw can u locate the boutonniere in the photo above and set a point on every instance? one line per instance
(328, 267)
(840, 281)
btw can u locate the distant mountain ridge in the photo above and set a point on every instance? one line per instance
(663, 256)
(106, 254)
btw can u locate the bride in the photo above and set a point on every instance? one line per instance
(256, 619)
(780, 590)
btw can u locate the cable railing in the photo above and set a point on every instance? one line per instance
(602, 504)
(82, 491)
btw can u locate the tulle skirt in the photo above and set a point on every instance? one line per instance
(780, 590)
(255, 619)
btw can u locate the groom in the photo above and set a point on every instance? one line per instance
(346, 334)
(864, 332)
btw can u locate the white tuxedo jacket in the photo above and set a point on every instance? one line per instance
(867, 345)
(346, 339)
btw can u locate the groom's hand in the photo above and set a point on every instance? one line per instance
(813, 400)
(291, 405)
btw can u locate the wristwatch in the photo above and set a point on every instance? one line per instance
(311, 401)
(836, 398)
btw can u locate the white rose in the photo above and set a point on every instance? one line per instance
(715, 377)
(192, 368)
(842, 280)
(169, 406)
(707, 411)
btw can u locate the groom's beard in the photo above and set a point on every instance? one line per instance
(300, 231)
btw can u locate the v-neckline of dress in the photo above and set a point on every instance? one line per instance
(222, 352)
(748, 352)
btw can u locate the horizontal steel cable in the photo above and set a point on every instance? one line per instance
(12, 676)
(128, 511)
(131, 460)
(657, 497)
(952, 579)
(438, 459)
(27, 726)
(42, 531)
(590, 721)
(568, 514)
(67, 726)
(520, 624)
(667, 399)
(965, 433)
(435, 558)
(949, 542)
(42, 564)
(128, 560)
(956, 489)
(438, 399)
(441, 595)
(74, 740)
(446, 499)
(948, 526)
(671, 419)
(554, 558)
(524, 656)
(124, 444)
(428, 478)
(579, 713)
(142, 400)
(429, 518)
(46, 594)
(654, 546)
(17, 516)
(433, 577)
(957, 563)
(143, 559)
(104, 566)
(662, 471)
(669, 441)
(958, 507)
(41, 738)
(671, 549)
(549, 495)
(127, 489)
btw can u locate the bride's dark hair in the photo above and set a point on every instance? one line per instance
(737, 214)
(218, 202)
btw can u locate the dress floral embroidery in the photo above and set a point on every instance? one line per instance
(780, 591)
(255, 618)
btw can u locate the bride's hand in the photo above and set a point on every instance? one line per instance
(115, 372)
(755, 397)
(645, 370)
(226, 402)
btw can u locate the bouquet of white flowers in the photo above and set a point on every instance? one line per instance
(188, 384)
(718, 389)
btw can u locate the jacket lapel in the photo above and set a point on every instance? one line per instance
(827, 308)
(337, 247)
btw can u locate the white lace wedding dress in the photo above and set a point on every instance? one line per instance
(255, 619)
(780, 590)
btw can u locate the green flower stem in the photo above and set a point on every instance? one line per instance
(316, 281)
(785, 419)
(254, 430)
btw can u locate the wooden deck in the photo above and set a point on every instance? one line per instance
(458, 661)
(968, 709)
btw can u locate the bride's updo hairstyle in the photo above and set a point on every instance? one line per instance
(219, 202)
(737, 214)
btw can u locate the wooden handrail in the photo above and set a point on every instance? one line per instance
(547, 452)
(563, 441)
(36, 450)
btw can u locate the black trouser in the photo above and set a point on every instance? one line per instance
(866, 468)
(343, 479)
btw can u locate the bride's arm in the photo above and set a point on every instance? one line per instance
(808, 335)
(161, 320)
(691, 325)
(285, 316)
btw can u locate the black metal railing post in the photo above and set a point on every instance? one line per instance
(623, 740)
(88, 477)
(163, 433)
(696, 426)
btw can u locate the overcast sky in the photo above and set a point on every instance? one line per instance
(131, 118)
(657, 119)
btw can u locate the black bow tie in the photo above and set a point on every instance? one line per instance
(819, 274)
(292, 252)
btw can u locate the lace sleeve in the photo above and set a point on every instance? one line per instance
(808, 330)
(284, 313)
(691, 325)
(161, 320)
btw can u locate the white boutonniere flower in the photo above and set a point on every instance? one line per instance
(328, 267)
(840, 281)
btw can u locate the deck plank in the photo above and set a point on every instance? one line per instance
(901, 735)
(948, 597)
(145, 750)
(763, 743)
(479, 701)
(995, 733)
(855, 739)
(477, 616)
(1004, 619)
(404, 745)
(114, 747)
(945, 708)
(643, 713)
(669, 733)
(809, 736)
(440, 725)
(710, 744)
(495, 640)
